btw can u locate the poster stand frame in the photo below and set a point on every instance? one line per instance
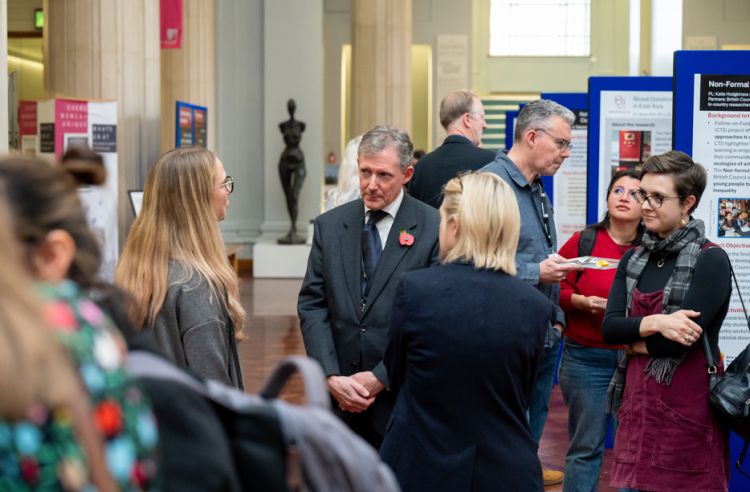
(574, 101)
(686, 65)
(596, 86)
(178, 129)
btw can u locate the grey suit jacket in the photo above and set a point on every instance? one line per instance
(344, 336)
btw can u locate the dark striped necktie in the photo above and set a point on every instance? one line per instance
(371, 246)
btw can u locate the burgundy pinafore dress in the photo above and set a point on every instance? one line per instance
(668, 439)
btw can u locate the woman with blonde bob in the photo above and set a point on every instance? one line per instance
(175, 265)
(464, 344)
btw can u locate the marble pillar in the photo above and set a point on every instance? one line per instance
(381, 64)
(189, 73)
(3, 76)
(109, 49)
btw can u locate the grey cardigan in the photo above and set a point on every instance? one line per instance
(194, 330)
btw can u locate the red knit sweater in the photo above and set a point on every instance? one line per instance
(583, 326)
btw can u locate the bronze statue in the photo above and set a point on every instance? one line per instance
(292, 170)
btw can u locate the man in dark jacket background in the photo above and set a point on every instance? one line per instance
(462, 116)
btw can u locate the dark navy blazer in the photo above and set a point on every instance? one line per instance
(462, 356)
(457, 154)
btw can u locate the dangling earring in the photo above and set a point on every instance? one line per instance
(683, 221)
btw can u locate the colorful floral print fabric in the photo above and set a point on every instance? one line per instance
(41, 453)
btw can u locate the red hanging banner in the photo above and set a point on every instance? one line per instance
(171, 23)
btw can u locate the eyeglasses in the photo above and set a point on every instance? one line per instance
(228, 184)
(480, 115)
(619, 191)
(655, 201)
(562, 144)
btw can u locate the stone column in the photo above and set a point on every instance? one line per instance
(189, 73)
(3, 76)
(381, 64)
(109, 49)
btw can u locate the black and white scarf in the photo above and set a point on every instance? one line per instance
(687, 243)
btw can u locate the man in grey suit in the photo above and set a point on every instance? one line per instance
(359, 251)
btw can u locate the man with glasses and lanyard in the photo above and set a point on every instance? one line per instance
(541, 142)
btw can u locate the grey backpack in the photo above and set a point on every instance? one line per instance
(277, 446)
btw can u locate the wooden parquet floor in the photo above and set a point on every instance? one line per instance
(273, 332)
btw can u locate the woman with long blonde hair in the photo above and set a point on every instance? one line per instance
(175, 265)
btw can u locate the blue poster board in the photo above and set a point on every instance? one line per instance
(574, 102)
(191, 125)
(510, 125)
(596, 86)
(686, 65)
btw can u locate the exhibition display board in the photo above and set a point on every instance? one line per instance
(62, 123)
(712, 124)
(191, 126)
(510, 126)
(630, 118)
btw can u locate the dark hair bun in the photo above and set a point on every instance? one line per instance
(84, 165)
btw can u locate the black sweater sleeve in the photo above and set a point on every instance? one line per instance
(708, 294)
(616, 328)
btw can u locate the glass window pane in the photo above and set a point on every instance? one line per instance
(540, 27)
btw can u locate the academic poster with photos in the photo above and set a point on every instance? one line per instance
(721, 142)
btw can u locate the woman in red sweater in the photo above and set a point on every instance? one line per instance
(588, 363)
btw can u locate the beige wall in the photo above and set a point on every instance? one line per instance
(421, 96)
(727, 20)
(336, 34)
(3, 77)
(21, 14)
(436, 17)
(609, 55)
(429, 18)
(25, 57)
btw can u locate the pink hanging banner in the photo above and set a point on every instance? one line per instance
(171, 23)
(27, 118)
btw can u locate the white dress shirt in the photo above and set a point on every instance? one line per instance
(384, 226)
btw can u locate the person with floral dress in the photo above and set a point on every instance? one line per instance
(41, 453)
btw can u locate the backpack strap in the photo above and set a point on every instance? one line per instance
(706, 348)
(708, 245)
(316, 390)
(141, 363)
(586, 242)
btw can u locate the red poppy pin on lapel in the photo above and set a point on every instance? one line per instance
(405, 239)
